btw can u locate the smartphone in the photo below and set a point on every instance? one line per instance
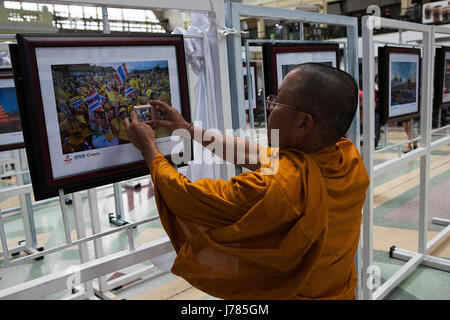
(145, 113)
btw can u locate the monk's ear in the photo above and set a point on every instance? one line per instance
(306, 123)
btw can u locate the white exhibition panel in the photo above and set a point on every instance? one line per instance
(109, 156)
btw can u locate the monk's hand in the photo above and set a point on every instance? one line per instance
(141, 136)
(172, 118)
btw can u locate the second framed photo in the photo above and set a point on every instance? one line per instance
(399, 87)
(279, 59)
(76, 92)
(442, 78)
(11, 136)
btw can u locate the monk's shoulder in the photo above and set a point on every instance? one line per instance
(348, 148)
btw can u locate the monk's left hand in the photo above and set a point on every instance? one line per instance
(141, 135)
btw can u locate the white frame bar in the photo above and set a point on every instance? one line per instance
(423, 153)
(428, 261)
(88, 271)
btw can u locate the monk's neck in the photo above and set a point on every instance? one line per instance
(312, 148)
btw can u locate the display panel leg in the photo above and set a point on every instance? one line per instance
(98, 244)
(81, 233)
(30, 242)
(4, 242)
(117, 218)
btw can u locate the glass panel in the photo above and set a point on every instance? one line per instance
(80, 25)
(114, 14)
(76, 11)
(134, 15)
(90, 12)
(62, 11)
(91, 26)
(151, 16)
(99, 13)
(29, 6)
(12, 5)
(46, 7)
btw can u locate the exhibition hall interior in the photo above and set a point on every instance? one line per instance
(101, 198)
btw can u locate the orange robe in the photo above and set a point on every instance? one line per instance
(291, 235)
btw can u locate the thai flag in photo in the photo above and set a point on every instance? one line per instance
(94, 105)
(77, 103)
(130, 91)
(102, 99)
(92, 96)
(122, 73)
(108, 87)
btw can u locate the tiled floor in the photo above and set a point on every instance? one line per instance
(395, 219)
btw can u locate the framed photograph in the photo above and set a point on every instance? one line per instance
(10, 126)
(75, 92)
(253, 77)
(399, 77)
(279, 59)
(442, 78)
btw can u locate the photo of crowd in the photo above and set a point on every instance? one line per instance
(446, 92)
(93, 100)
(403, 83)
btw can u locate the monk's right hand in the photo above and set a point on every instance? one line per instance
(141, 135)
(172, 118)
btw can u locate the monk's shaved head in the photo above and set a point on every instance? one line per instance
(331, 95)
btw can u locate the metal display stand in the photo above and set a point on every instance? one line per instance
(423, 153)
(234, 12)
(29, 244)
(91, 274)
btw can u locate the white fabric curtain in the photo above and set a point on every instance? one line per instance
(208, 113)
(202, 56)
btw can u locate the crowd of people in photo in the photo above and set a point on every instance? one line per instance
(92, 106)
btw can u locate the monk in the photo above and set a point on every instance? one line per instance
(289, 235)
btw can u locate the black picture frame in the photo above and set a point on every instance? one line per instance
(255, 89)
(270, 52)
(26, 76)
(6, 74)
(384, 82)
(439, 77)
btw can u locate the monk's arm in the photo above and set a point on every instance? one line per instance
(238, 151)
(211, 202)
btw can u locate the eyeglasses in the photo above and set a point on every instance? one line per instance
(271, 102)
